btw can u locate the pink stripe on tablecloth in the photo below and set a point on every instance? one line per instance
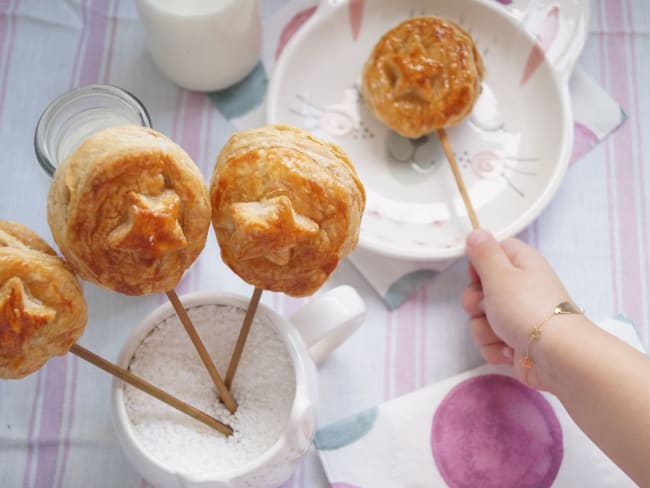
(32, 428)
(176, 119)
(190, 140)
(205, 164)
(95, 48)
(7, 38)
(50, 437)
(209, 159)
(175, 136)
(46, 466)
(623, 144)
(46, 462)
(187, 130)
(85, 14)
(69, 421)
(112, 20)
(611, 211)
(192, 127)
(643, 221)
(49, 433)
(405, 347)
(96, 42)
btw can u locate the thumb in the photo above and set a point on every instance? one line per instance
(486, 254)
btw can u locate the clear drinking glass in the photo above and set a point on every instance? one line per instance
(77, 113)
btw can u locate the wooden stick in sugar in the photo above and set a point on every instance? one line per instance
(152, 390)
(222, 387)
(243, 335)
(286, 207)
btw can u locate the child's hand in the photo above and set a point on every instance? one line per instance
(512, 289)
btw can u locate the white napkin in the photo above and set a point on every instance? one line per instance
(506, 435)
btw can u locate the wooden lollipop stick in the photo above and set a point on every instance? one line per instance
(243, 334)
(222, 389)
(152, 390)
(459, 179)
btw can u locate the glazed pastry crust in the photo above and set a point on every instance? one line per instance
(423, 75)
(286, 208)
(42, 308)
(130, 210)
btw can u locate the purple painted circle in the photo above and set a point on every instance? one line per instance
(492, 431)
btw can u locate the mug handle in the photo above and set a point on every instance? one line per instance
(328, 320)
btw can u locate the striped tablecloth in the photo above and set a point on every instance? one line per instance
(54, 425)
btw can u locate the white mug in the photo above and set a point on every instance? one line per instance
(309, 335)
(202, 45)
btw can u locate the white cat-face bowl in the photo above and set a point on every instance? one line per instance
(512, 151)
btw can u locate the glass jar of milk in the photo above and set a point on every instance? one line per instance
(202, 45)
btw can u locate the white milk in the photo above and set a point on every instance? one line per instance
(191, 7)
(202, 45)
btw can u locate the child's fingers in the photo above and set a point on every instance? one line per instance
(473, 300)
(521, 255)
(481, 332)
(497, 353)
(486, 254)
(473, 275)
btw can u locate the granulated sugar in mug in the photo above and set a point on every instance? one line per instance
(264, 388)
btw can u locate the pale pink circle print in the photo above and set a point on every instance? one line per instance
(492, 431)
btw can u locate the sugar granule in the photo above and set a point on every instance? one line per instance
(264, 388)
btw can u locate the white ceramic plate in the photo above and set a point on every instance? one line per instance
(512, 151)
(561, 26)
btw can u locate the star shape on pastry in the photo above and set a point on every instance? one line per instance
(20, 315)
(413, 69)
(152, 227)
(269, 228)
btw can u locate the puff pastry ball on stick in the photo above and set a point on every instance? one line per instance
(130, 210)
(422, 75)
(286, 208)
(42, 308)
(425, 75)
(43, 312)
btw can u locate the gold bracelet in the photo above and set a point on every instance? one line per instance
(536, 332)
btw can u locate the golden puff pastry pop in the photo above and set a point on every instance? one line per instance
(130, 210)
(286, 208)
(42, 308)
(422, 75)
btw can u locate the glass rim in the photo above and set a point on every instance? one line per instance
(43, 155)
